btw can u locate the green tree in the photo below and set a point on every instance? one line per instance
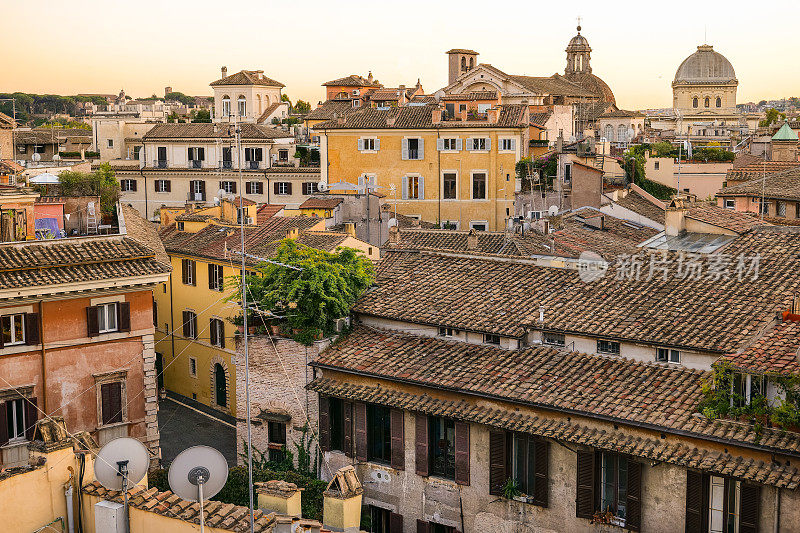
(773, 115)
(662, 149)
(311, 298)
(302, 107)
(179, 97)
(285, 98)
(100, 182)
(200, 115)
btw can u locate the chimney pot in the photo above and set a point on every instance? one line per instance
(472, 240)
(394, 235)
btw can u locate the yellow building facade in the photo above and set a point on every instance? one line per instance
(453, 172)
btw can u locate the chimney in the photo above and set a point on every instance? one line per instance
(292, 233)
(341, 503)
(280, 497)
(675, 216)
(436, 115)
(560, 143)
(350, 229)
(493, 114)
(224, 71)
(472, 240)
(394, 235)
(260, 74)
(369, 77)
(402, 88)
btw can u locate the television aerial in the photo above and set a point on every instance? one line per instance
(198, 473)
(121, 464)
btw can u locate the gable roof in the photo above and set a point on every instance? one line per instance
(757, 169)
(268, 111)
(353, 80)
(329, 108)
(711, 213)
(247, 77)
(267, 211)
(782, 186)
(643, 206)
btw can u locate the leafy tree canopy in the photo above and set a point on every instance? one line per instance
(179, 97)
(100, 182)
(200, 115)
(302, 107)
(773, 115)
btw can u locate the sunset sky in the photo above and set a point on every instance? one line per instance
(88, 46)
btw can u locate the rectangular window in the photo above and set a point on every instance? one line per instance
(446, 332)
(253, 157)
(523, 462)
(216, 282)
(724, 500)
(450, 185)
(478, 225)
(127, 185)
(336, 423)
(309, 187)
(479, 186)
(379, 520)
(111, 402)
(107, 317)
(283, 187)
(553, 339)
(196, 156)
(254, 187)
(162, 186)
(763, 207)
(414, 151)
(13, 327)
(15, 418)
(368, 145)
(189, 324)
(480, 144)
(413, 188)
(276, 433)
(608, 347)
(668, 355)
(188, 268)
(137, 152)
(491, 339)
(283, 156)
(568, 173)
(180, 225)
(656, 165)
(193, 367)
(730, 203)
(614, 485)
(780, 209)
(379, 434)
(161, 161)
(450, 144)
(111, 143)
(441, 447)
(507, 145)
(228, 186)
(217, 327)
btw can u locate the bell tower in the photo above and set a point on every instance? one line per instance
(578, 55)
(459, 61)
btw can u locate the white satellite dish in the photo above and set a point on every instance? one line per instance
(216, 201)
(198, 473)
(36, 157)
(322, 186)
(120, 464)
(552, 210)
(56, 157)
(221, 193)
(392, 222)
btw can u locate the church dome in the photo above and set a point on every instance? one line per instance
(578, 43)
(705, 66)
(595, 84)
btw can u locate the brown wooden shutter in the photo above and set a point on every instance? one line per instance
(233, 189)
(398, 441)
(92, 324)
(221, 333)
(194, 326)
(633, 516)
(584, 498)
(275, 187)
(361, 430)
(168, 187)
(31, 416)
(694, 502)
(186, 326)
(395, 523)
(211, 277)
(3, 424)
(289, 187)
(347, 438)
(421, 445)
(259, 188)
(185, 271)
(422, 526)
(105, 403)
(540, 470)
(497, 461)
(749, 508)
(462, 453)
(213, 332)
(111, 396)
(324, 424)
(133, 185)
(124, 311)
(203, 189)
(31, 329)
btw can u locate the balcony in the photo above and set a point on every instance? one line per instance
(160, 163)
(195, 163)
(254, 165)
(226, 164)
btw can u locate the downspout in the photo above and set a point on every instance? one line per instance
(171, 318)
(777, 528)
(44, 373)
(266, 178)
(439, 183)
(68, 491)
(144, 177)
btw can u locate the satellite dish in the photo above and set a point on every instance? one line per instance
(553, 210)
(392, 222)
(198, 473)
(216, 201)
(121, 455)
(322, 186)
(56, 157)
(221, 193)
(36, 157)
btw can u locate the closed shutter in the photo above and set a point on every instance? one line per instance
(398, 441)
(203, 189)
(212, 278)
(111, 396)
(213, 329)
(185, 271)
(233, 187)
(421, 443)
(540, 471)
(440, 144)
(124, 316)
(750, 506)
(421, 145)
(201, 154)
(421, 188)
(133, 185)
(194, 325)
(422, 526)
(186, 324)
(360, 144)
(31, 416)
(395, 523)
(462, 453)
(275, 188)
(289, 187)
(3, 424)
(470, 143)
(377, 144)
(32, 329)
(488, 143)
(584, 497)
(105, 403)
(347, 438)
(221, 333)
(497, 461)
(92, 325)
(404, 149)
(459, 144)
(633, 517)
(259, 188)
(361, 430)
(694, 502)
(167, 186)
(404, 186)
(324, 424)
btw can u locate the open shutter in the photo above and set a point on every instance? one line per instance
(377, 144)
(497, 461)
(361, 430)
(694, 502)
(185, 271)
(404, 186)
(440, 144)
(92, 325)
(233, 187)
(421, 444)
(462, 453)
(213, 332)
(422, 526)
(584, 497)
(133, 185)
(347, 438)
(470, 143)
(124, 312)
(105, 403)
(459, 144)
(32, 329)
(398, 441)
(750, 506)
(421, 188)
(167, 186)
(275, 188)
(194, 325)
(540, 471)
(186, 325)
(360, 144)
(203, 189)
(395, 523)
(513, 144)
(361, 184)
(221, 333)
(324, 424)
(31, 416)
(259, 188)
(404, 149)
(222, 185)
(3, 424)
(633, 517)
(211, 277)
(421, 144)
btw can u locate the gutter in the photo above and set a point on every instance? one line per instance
(563, 410)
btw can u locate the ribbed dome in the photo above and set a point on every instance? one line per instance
(705, 66)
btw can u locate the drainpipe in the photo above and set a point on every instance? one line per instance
(141, 171)
(44, 373)
(439, 179)
(777, 528)
(68, 496)
(171, 320)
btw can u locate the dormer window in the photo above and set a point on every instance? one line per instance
(356, 92)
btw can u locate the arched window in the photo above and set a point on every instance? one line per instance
(258, 102)
(580, 63)
(220, 386)
(719, 101)
(226, 106)
(242, 105)
(622, 133)
(694, 102)
(463, 63)
(609, 133)
(471, 63)
(707, 102)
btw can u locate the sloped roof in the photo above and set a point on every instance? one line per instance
(267, 211)
(785, 133)
(757, 169)
(420, 117)
(353, 80)
(777, 351)
(327, 109)
(711, 213)
(555, 84)
(782, 186)
(321, 203)
(191, 130)
(247, 77)
(642, 206)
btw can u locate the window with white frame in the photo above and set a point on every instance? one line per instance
(479, 186)
(368, 144)
(446, 332)
(111, 143)
(216, 280)
(228, 186)
(478, 225)
(107, 317)
(608, 347)
(553, 339)
(489, 338)
(162, 186)
(217, 328)
(413, 149)
(226, 106)
(283, 155)
(508, 145)
(254, 187)
(668, 355)
(479, 144)
(15, 418)
(413, 187)
(449, 186)
(282, 187)
(450, 144)
(242, 106)
(13, 328)
(310, 187)
(127, 185)
(730, 203)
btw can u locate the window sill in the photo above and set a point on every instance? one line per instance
(15, 443)
(366, 152)
(113, 425)
(432, 478)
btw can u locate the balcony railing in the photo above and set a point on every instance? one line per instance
(196, 163)
(160, 163)
(254, 165)
(226, 164)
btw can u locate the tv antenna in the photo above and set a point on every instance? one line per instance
(198, 473)
(120, 464)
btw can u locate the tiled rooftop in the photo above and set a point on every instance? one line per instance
(777, 351)
(642, 206)
(247, 77)
(711, 213)
(211, 131)
(419, 117)
(784, 185)
(757, 169)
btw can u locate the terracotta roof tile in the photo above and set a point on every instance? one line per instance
(711, 213)
(419, 117)
(781, 185)
(321, 203)
(777, 351)
(353, 80)
(211, 131)
(756, 169)
(642, 206)
(267, 211)
(247, 77)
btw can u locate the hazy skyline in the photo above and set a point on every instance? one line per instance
(88, 46)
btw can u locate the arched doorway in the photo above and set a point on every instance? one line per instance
(220, 386)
